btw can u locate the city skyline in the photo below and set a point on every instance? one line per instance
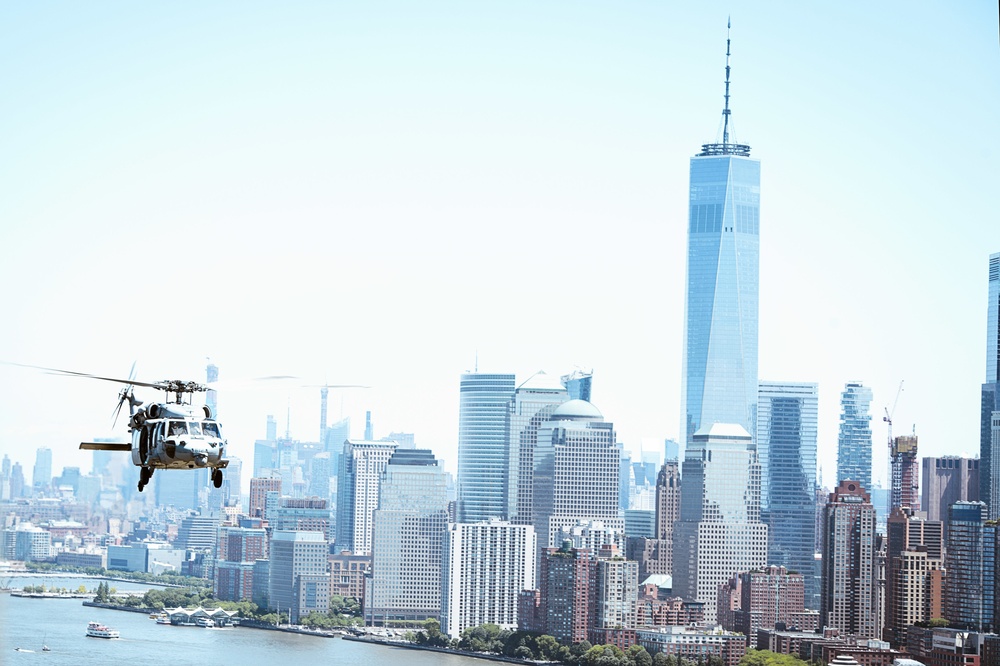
(401, 158)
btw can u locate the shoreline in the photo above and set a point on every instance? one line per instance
(431, 648)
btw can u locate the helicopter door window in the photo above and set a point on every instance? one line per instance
(210, 429)
(178, 428)
(195, 428)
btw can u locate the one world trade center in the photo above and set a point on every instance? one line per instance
(720, 339)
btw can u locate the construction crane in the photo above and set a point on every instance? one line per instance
(888, 419)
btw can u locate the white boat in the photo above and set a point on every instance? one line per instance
(98, 630)
(206, 622)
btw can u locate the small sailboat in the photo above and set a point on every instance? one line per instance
(45, 647)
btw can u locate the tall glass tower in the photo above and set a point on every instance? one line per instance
(786, 445)
(989, 479)
(483, 465)
(854, 442)
(720, 340)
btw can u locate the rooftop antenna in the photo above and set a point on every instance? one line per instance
(726, 148)
(477, 361)
(288, 420)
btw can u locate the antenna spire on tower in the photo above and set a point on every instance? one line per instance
(726, 148)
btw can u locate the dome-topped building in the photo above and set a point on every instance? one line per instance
(577, 410)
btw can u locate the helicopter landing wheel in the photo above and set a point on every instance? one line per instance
(141, 485)
(144, 474)
(217, 478)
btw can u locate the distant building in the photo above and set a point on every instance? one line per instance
(198, 533)
(41, 476)
(616, 594)
(905, 483)
(362, 465)
(914, 573)
(26, 542)
(238, 550)
(259, 488)
(298, 580)
(409, 529)
(347, 575)
(970, 595)
(854, 443)
(849, 601)
(787, 414)
(576, 451)
(486, 566)
(947, 480)
(989, 489)
(764, 599)
(566, 592)
(694, 644)
(531, 406)
(720, 532)
(483, 462)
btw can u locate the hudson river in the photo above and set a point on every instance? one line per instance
(61, 624)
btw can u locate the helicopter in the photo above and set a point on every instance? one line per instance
(174, 434)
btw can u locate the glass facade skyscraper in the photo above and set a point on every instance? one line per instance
(854, 442)
(786, 446)
(720, 307)
(989, 490)
(720, 341)
(483, 465)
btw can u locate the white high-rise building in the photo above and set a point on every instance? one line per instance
(410, 524)
(576, 472)
(720, 532)
(617, 593)
(362, 465)
(486, 565)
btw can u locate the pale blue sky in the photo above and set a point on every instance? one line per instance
(372, 192)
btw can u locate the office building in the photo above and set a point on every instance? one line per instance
(905, 469)
(914, 572)
(238, 549)
(721, 304)
(483, 462)
(719, 532)
(533, 403)
(989, 490)
(694, 644)
(486, 566)
(578, 384)
(848, 596)
(181, 489)
(198, 533)
(969, 597)
(854, 442)
(787, 416)
(41, 473)
(946, 480)
(348, 573)
(303, 514)
(576, 470)
(259, 488)
(362, 464)
(298, 581)
(409, 528)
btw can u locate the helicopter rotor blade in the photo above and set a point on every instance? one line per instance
(71, 373)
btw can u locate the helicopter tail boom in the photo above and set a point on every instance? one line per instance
(105, 446)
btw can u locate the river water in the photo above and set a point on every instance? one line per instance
(61, 624)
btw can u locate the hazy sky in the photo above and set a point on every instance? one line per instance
(376, 192)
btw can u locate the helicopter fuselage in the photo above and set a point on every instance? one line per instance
(176, 436)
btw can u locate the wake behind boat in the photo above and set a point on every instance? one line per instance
(98, 630)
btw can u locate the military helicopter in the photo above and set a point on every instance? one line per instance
(173, 434)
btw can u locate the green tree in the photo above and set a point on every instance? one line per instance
(637, 655)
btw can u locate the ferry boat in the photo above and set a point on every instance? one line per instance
(98, 630)
(206, 622)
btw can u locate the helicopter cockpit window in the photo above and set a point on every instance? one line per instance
(210, 429)
(178, 428)
(195, 428)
